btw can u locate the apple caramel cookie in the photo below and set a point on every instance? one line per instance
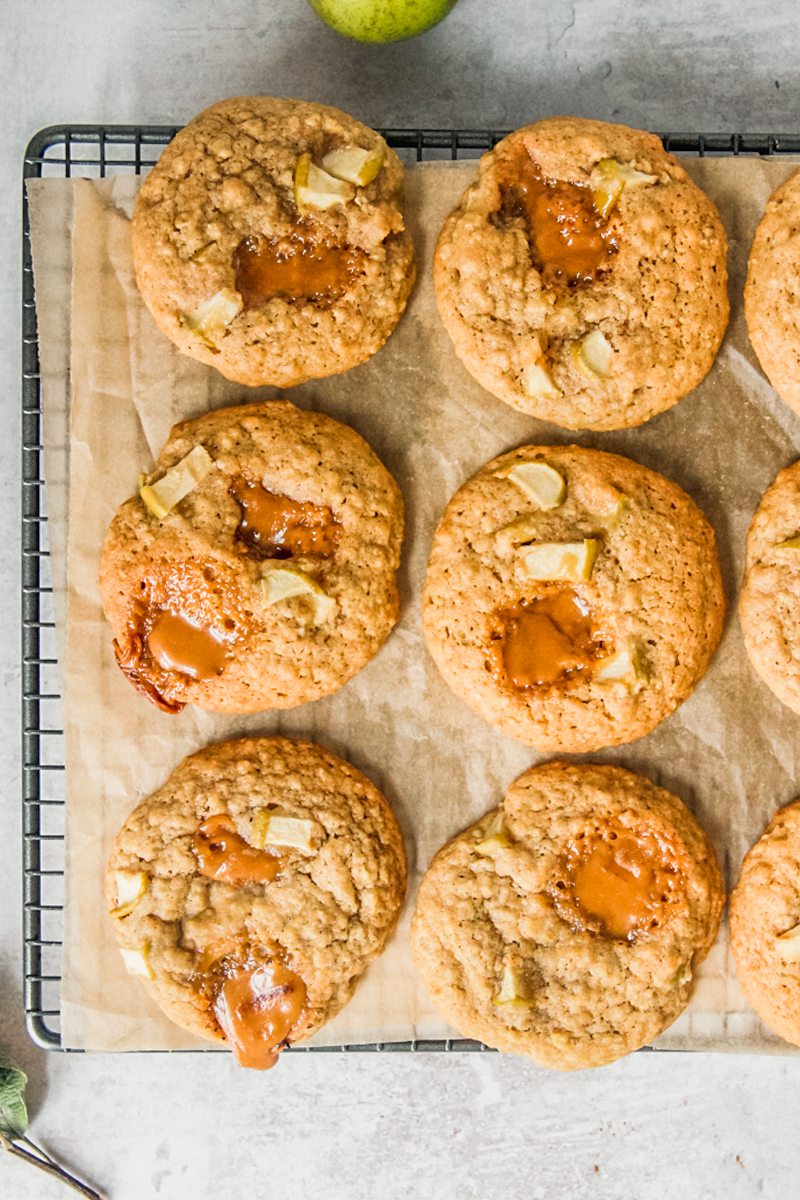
(573, 598)
(567, 924)
(765, 924)
(253, 889)
(256, 567)
(772, 292)
(769, 603)
(583, 277)
(269, 241)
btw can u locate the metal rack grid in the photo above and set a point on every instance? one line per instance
(95, 151)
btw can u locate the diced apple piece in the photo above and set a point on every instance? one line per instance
(518, 533)
(211, 320)
(131, 886)
(534, 370)
(623, 667)
(162, 496)
(593, 354)
(137, 961)
(514, 990)
(495, 837)
(682, 976)
(540, 482)
(277, 829)
(354, 164)
(537, 383)
(315, 188)
(283, 583)
(610, 178)
(788, 944)
(792, 543)
(568, 562)
(618, 503)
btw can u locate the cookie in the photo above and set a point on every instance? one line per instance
(583, 277)
(772, 292)
(769, 603)
(568, 923)
(256, 567)
(269, 241)
(573, 598)
(765, 925)
(252, 890)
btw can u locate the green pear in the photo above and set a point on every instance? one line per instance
(381, 20)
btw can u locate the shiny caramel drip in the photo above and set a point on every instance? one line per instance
(570, 241)
(617, 882)
(257, 1005)
(177, 644)
(546, 640)
(129, 657)
(183, 624)
(275, 526)
(295, 268)
(223, 854)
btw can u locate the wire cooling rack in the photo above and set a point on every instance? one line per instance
(93, 152)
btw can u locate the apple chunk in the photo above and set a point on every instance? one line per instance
(568, 562)
(354, 165)
(283, 583)
(315, 188)
(162, 496)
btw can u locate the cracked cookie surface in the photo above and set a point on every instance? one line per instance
(765, 924)
(504, 959)
(647, 613)
(549, 246)
(327, 913)
(772, 291)
(769, 603)
(218, 217)
(185, 595)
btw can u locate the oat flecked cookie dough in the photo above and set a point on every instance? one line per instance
(769, 604)
(772, 292)
(573, 598)
(765, 924)
(568, 923)
(583, 277)
(256, 568)
(269, 241)
(252, 890)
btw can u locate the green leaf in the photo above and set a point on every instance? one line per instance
(13, 1113)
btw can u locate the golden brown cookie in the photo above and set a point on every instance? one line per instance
(568, 923)
(772, 292)
(769, 604)
(573, 598)
(583, 277)
(269, 241)
(252, 890)
(256, 567)
(765, 924)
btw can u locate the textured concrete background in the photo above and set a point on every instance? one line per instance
(351, 1127)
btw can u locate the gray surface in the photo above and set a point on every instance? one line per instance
(392, 1126)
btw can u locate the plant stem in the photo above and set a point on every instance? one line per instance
(41, 1159)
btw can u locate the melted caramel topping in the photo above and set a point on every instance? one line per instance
(570, 241)
(129, 657)
(546, 640)
(177, 644)
(257, 1002)
(296, 268)
(617, 882)
(223, 854)
(275, 526)
(183, 624)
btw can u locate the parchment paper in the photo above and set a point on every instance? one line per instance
(729, 751)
